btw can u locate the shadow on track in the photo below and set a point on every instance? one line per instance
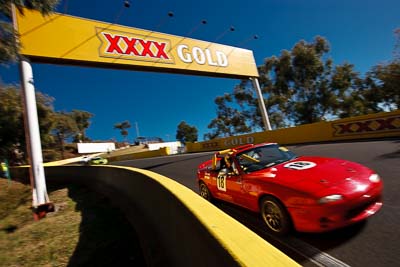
(328, 240)
(393, 155)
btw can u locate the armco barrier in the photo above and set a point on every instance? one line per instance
(164, 151)
(176, 227)
(380, 125)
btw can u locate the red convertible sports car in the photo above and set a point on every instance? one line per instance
(308, 194)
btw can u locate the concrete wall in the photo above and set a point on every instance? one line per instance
(380, 125)
(86, 148)
(175, 225)
(173, 146)
(164, 151)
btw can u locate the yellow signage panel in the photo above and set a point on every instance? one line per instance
(71, 40)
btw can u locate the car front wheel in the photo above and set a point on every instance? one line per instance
(275, 216)
(204, 192)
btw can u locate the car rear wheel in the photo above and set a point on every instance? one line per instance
(275, 216)
(204, 192)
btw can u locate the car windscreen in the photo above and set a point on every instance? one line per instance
(263, 157)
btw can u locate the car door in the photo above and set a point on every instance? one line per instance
(229, 185)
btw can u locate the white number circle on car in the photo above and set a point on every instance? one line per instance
(300, 165)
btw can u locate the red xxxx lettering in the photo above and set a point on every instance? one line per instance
(386, 124)
(113, 43)
(365, 126)
(132, 46)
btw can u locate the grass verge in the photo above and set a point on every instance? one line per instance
(85, 230)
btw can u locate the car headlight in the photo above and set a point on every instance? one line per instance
(329, 199)
(374, 178)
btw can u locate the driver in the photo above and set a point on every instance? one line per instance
(230, 165)
(257, 154)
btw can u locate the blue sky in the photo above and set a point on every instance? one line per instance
(359, 31)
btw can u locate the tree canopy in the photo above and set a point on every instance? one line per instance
(304, 86)
(55, 127)
(8, 46)
(65, 127)
(82, 120)
(123, 126)
(186, 133)
(12, 133)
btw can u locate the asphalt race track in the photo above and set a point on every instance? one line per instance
(375, 242)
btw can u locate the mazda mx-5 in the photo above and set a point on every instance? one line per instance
(306, 193)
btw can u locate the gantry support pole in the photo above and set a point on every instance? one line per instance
(261, 104)
(40, 200)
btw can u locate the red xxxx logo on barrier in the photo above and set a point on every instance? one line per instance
(367, 126)
(210, 145)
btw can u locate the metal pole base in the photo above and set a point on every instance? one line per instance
(41, 211)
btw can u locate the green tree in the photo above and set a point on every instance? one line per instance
(295, 87)
(123, 126)
(239, 113)
(186, 133)
(384, 86)
(306, 87)
(247, 99)
(230, 120)
(353, 96)
(383, 82)
(82, 120)
(64, 128)
(11, 124)
(298, 82)
(12, 133)
(303, 86)
(8, 47)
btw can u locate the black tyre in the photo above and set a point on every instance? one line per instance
(275, 216)
(204, 192)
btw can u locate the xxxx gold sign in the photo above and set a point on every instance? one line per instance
(71, 40)
(368, 126)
